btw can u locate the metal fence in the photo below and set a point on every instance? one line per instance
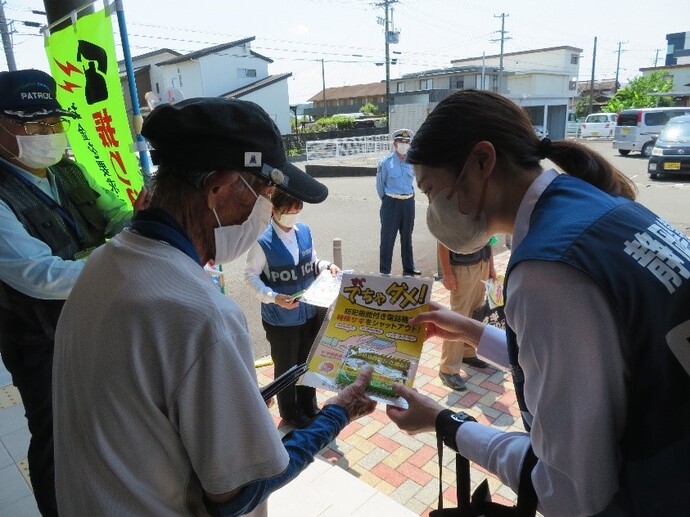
(296, 143)
(337, 147)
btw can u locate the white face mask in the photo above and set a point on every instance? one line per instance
(287, 220)
(40, 151)
(234, 240)
(461, 233)
(403, 148)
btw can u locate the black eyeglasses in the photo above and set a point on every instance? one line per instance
(44, 128)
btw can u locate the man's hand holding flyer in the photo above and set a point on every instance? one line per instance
(369, 325)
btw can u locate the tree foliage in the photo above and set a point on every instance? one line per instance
(582, 106)
(369, 109)
(335, 122)
(637, 93)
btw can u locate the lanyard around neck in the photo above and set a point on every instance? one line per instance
(49, 202)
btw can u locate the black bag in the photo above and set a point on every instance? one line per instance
(480, 504)
(495, 317)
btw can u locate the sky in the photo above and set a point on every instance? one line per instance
(340, 40)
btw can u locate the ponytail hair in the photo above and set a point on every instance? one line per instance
(590, 166)
(466, 117)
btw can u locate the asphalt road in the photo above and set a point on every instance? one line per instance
(351, 213)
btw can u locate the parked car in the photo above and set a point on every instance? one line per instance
(540, 131)
(671, 152)
(599, 125)
(574, 125)
(636, 128)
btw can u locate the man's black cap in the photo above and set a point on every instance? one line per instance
(213, 133)
(28, 95)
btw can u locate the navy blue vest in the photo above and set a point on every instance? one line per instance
(287, 278)
(642, 265)
(25, 320)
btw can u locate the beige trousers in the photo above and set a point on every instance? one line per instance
(468, 295)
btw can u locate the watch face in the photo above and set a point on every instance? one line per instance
(462, 417)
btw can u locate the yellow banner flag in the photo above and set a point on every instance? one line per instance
(83, 63)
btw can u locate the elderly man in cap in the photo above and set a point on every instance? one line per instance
(157, 406)
(51, 217)
(395, 187)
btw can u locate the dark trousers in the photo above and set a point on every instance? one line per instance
(31, 366)
(291, 346)
(397, 216)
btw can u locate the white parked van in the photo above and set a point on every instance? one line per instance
(637, 127)
(598, 125)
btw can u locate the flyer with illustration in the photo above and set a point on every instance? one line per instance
(369, 324)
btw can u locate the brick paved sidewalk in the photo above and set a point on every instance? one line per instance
(401, 467)
(405, 467)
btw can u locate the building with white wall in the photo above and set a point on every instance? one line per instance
(543, 81)
(227, 70)
(677, 66)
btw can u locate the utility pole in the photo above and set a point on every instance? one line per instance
(323, 86)
(656, 57)
(591, 83)
(389, 37)
(502, 39)
(618, 65)
(483, 70)
(388, 73)
(6, 35)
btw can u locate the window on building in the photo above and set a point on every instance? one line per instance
(457, 83)
(246, 72)
(158, 88)
(574, 59)
(400, 88)
(425, 84)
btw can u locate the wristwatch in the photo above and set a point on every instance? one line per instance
(447, 425)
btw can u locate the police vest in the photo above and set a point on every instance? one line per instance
(23, 318)
(642, 264)
(287, 278)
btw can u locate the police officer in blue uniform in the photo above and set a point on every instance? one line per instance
(395, 187)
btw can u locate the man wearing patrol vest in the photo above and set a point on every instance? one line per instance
(51, 217)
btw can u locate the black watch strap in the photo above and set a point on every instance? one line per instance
(447, 425)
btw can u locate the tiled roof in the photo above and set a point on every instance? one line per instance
(207, 51)
(352, 92)
(518, 53)
(149, 54)
(263, 83)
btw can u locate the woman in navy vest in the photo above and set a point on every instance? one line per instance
(597, 308)
(281, 264)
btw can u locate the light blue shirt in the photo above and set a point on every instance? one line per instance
(27, 264)
(394, 176)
